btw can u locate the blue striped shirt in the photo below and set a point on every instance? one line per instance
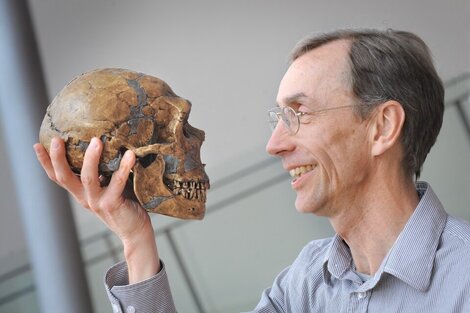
(427, 270)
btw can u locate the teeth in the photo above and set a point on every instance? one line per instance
(191, 190)
(299, 171)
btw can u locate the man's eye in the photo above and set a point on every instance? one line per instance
(296, 106)
(303, 108)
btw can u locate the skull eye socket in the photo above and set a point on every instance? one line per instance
(162, 134)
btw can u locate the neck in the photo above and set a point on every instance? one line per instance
(371, 223)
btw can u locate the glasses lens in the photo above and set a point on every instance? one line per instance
(290, 119)
(273, 118)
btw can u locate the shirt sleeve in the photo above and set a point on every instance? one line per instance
(273, 299)
(152, 295)
(289, 290)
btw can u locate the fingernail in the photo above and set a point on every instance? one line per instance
(93, 143)
(127, 155)
(54, 144)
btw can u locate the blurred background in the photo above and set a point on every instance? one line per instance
(227, 57)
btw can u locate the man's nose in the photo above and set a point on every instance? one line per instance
(280, 140)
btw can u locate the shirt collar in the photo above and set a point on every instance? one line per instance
(338, 260)
(412, 256)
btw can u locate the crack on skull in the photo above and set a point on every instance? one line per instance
(82, 145)
(155, 201)
(134, 123)
(112, 165)
(136, 111)
(52, 124)
(190, 189)
(171, 163)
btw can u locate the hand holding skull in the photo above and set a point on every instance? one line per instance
(124, 217)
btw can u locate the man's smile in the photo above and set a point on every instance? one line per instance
(300, 170)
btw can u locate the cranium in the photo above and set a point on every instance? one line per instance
(138, 112)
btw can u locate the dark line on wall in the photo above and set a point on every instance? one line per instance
(15, 272)
(216, 185)
(243, 172)
(182, 266)
(464, 117)
(454, 81)
(230, 200)
(110, 246)
(17, 294)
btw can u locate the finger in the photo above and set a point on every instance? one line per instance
(89, 173)
(45, 160)
(64, 175)
(119, 178)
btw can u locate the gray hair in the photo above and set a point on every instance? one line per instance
(393, 65)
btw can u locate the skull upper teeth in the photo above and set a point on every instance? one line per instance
(191, 190)
(298, 171)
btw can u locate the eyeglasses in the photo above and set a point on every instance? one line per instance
(291, 118)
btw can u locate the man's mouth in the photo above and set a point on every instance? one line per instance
(299, 171)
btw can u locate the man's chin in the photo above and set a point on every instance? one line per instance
(302, 208)
(307, 207)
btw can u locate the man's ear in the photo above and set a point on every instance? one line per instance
(387, 125)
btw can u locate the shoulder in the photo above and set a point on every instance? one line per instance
(313, 254)
(451, 270)
(457, 231)
(454, 246)
(307, 269)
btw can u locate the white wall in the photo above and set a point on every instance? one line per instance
(227, 57)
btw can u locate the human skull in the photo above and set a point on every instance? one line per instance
(138, 112)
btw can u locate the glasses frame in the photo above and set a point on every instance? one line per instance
(280, 114)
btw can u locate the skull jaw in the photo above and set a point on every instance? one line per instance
(147, 188)
(176, 206)
(156, 197)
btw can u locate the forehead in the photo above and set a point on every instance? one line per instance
(317, 73)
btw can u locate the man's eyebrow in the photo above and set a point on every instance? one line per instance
(295, 98)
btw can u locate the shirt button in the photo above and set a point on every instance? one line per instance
(115, 308)
(130, 309)
(361, 295)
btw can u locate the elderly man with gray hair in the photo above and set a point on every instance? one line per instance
(358, 112)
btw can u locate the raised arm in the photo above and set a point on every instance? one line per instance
(126, 218)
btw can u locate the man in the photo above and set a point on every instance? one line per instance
(358, 112)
